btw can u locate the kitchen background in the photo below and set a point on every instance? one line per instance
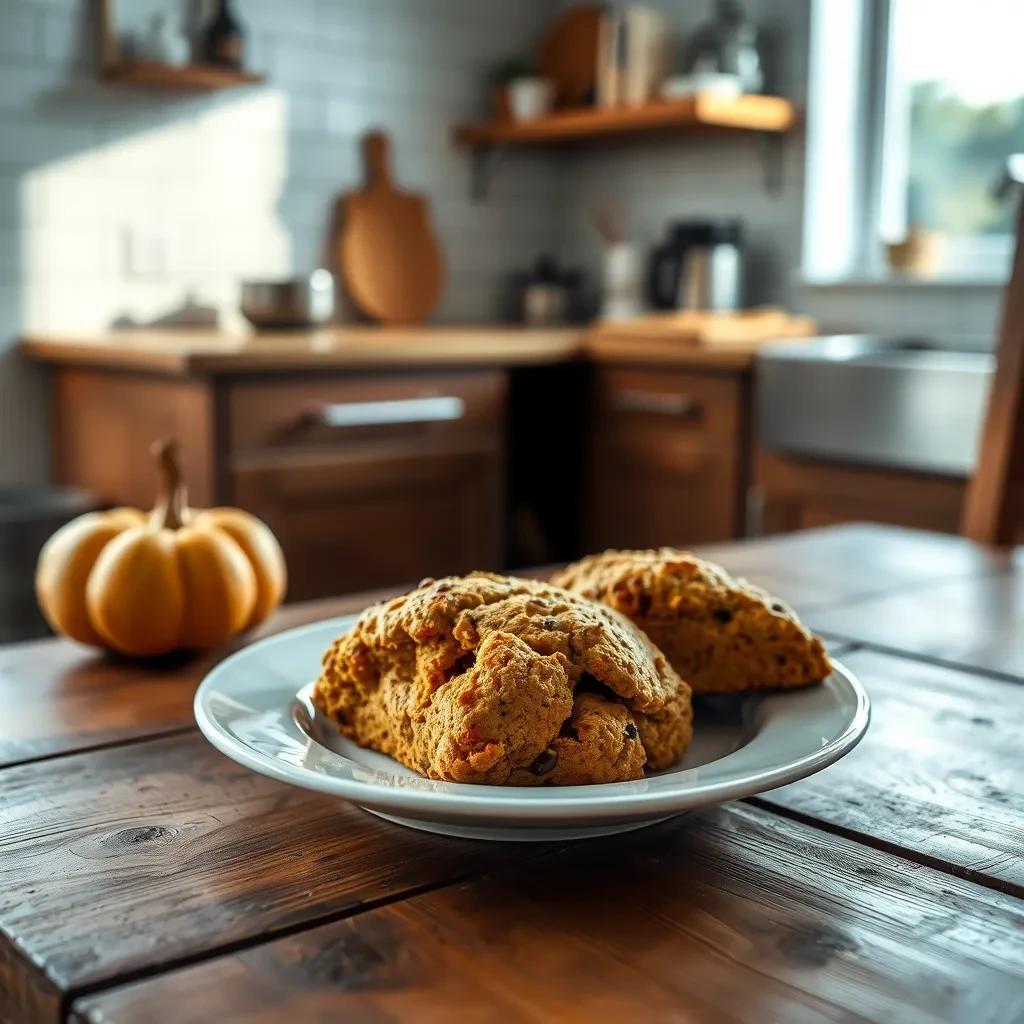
(120, 206)
(238, 185)
(123, 207)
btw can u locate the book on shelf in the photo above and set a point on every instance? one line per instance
(634, 55)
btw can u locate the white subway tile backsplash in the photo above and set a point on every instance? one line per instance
(10, 253)
(20, 206)
(26, 85)
(11, 299)
(67, 254)
(240, 183)
(346, 21)
(316, 62)
(280, 16)
(19, 31)
(345, 113)
(306, 111)
(68, 38)
(30, 141)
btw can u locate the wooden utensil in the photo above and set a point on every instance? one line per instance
(388, 253)
(610, 221)
(568, 55)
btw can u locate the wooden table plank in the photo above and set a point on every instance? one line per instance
(59, 697)
(136, 857)
(939, 777)
(839, 564)
(975, 623)
(727, 914)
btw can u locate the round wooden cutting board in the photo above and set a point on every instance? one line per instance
(388, 253)
(568, 54)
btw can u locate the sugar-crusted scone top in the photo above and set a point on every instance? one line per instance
(474, 678)
(721, 633)
(445, 619)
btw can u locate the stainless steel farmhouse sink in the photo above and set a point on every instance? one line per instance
(905, 402)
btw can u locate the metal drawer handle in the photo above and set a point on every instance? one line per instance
(396, 411)
(658, 403)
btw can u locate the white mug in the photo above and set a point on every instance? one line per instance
(529, 98)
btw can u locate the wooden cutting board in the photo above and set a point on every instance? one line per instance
(568, 54)
(388, 253)
(743, 329)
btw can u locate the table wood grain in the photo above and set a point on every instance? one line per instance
(59, 697)
(939, 777)
(141, 856)
(723, 915)
(837, 565)
(145, 877)
(976, 623)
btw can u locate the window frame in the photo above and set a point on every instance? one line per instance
(857, 130)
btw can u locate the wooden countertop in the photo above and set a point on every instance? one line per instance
(143, 876)
(211, 352)
(192, 352)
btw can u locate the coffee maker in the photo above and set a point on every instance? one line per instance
(699, 267)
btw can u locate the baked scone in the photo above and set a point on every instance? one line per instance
(721, 634)
(492, 679)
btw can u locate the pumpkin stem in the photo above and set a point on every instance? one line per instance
(169, 511)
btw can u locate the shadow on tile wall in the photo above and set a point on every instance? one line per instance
(239, 183)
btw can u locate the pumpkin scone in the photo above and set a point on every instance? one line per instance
(497, 680)
(721, 634)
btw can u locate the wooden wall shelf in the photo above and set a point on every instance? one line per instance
(703, 112)
(143, 74)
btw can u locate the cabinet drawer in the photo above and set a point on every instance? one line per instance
(685, 407)
(355, 520)
(315, 411)
(668, 460)
(634, 506)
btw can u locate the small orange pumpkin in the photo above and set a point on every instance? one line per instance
(175, 579)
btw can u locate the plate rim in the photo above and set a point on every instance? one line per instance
(467, 801)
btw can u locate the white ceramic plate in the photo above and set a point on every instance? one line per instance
(255, 707)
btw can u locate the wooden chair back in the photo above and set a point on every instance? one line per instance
(993, 503)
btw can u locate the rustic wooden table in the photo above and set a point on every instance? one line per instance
(146, 878)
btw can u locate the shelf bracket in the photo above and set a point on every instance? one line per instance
(773, 161)
(483, 161)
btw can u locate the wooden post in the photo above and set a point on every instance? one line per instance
(990, 504)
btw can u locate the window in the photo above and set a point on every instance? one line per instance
(954, 113)
(918, 133)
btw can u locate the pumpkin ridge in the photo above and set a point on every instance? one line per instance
(145, 585)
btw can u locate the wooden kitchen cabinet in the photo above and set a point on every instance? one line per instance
(364, 520)
(797, 494)
(669, 460)
(367, 479)
(379, 456)
(372, 480)
(105, 423)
